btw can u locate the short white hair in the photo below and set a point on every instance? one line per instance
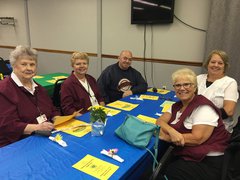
(22, 52)
(187, 73)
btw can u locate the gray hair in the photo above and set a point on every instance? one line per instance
(22, 52)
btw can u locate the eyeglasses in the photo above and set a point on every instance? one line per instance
(184, 85)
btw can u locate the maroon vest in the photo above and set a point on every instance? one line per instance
(216, 142)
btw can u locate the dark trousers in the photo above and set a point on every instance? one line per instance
(208, 169)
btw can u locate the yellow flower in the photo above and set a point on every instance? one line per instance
(58, 137)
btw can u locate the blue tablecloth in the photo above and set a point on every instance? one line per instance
(37, 157)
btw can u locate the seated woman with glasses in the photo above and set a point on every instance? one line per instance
(195, 126)
(222, 90)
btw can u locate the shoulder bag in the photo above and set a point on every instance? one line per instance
(139, 133)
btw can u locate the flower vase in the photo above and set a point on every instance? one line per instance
(98, 128)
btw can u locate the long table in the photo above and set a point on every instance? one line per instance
(48, 80)
(36, 157)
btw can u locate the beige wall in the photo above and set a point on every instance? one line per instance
(64, 25)
(103, 26)
(13, 35)
(173, 41)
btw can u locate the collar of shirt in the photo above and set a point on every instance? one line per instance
(19, 83)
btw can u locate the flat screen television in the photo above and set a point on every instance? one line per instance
(152, 11)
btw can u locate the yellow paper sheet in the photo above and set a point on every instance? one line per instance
(147, 119)
(143, 96)
(111, 111)
(166, 103)
(166, 107)
(163, 91)
(123, 105)
(38, 77)
(61, 119)
(70, 127)
(95, 167)
(160, 91)
(59, 77)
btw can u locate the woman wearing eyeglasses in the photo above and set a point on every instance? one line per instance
(195, 126)
(222, 90)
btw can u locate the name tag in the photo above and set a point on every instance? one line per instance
(41, 119)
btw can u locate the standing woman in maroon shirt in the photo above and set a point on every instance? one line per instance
(25, 106)
(80, 90)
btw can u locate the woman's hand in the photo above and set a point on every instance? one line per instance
(176, 137)
(127, 93)
(78, 114)
(102, 103)
(164, 136)
(45, 126)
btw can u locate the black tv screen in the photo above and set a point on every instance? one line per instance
(152, 11)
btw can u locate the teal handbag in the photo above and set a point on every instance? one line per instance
(139, 133)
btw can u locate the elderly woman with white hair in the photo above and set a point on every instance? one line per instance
(195, 126)
(25, 106)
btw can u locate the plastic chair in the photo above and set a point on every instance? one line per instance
(162, 163)
(56, 98)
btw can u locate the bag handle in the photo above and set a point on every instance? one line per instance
(155, 162)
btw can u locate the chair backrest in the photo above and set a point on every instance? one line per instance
(4, 68)
(164, 161)
(7, 61)
(56, 98)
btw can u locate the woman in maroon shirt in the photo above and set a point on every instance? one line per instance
(79, 91)
(25, 106)
(195, 126)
